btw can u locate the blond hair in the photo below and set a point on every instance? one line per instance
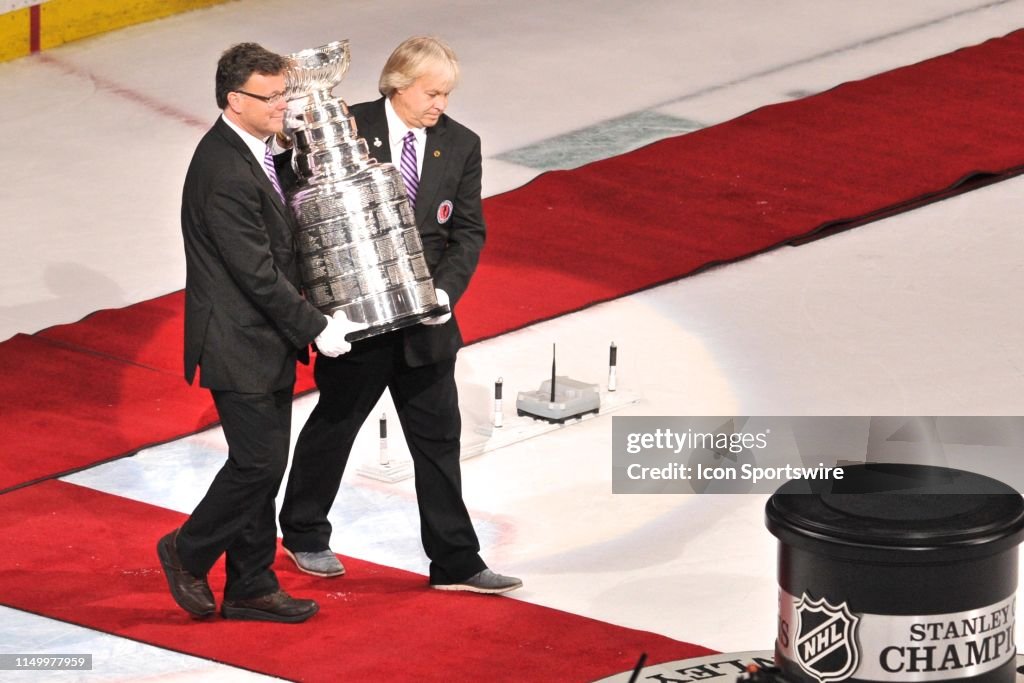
(415, 57)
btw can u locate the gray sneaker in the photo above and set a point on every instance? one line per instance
(321, 563)
(485, 581)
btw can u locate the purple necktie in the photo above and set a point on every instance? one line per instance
(268, 163)
(408, 167)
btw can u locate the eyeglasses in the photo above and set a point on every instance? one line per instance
(269, 99)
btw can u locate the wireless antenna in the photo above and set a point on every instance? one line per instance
(552, 373)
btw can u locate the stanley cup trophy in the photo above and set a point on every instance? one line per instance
(359, 250)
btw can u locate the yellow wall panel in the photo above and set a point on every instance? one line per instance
(62, 21)
(67, 20)
(14, 34)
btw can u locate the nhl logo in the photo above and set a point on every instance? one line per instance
(826, 642)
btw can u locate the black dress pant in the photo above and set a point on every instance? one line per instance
(427, 402)
(237, 515)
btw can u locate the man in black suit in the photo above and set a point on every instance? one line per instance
(245, 325)
(441, 163)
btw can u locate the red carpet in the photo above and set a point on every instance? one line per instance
(89, 558)
(570, 239)
(64, 408)
(863, 149)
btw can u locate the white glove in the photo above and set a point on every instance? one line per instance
(347, 325)
(293, 118)
(442, 300)
(332, 342)
(283, 141)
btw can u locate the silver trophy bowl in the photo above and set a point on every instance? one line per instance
(317, 70)
(359, 249)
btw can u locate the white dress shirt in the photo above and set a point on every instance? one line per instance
(256, 146)
(397, 130)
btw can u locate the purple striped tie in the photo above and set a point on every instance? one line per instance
(268, 163)
(408, 167)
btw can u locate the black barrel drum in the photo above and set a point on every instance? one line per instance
(898, 573)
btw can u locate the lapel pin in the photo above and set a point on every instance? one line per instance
(437, 154)
(376, 142)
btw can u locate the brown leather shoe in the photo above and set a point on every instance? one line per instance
(277, 606)
(192, 593)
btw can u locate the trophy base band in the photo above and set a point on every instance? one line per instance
(397, 323)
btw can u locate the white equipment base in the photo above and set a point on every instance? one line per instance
(487, 437)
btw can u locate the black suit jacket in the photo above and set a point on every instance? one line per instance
(451, 178)
(245, 320)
